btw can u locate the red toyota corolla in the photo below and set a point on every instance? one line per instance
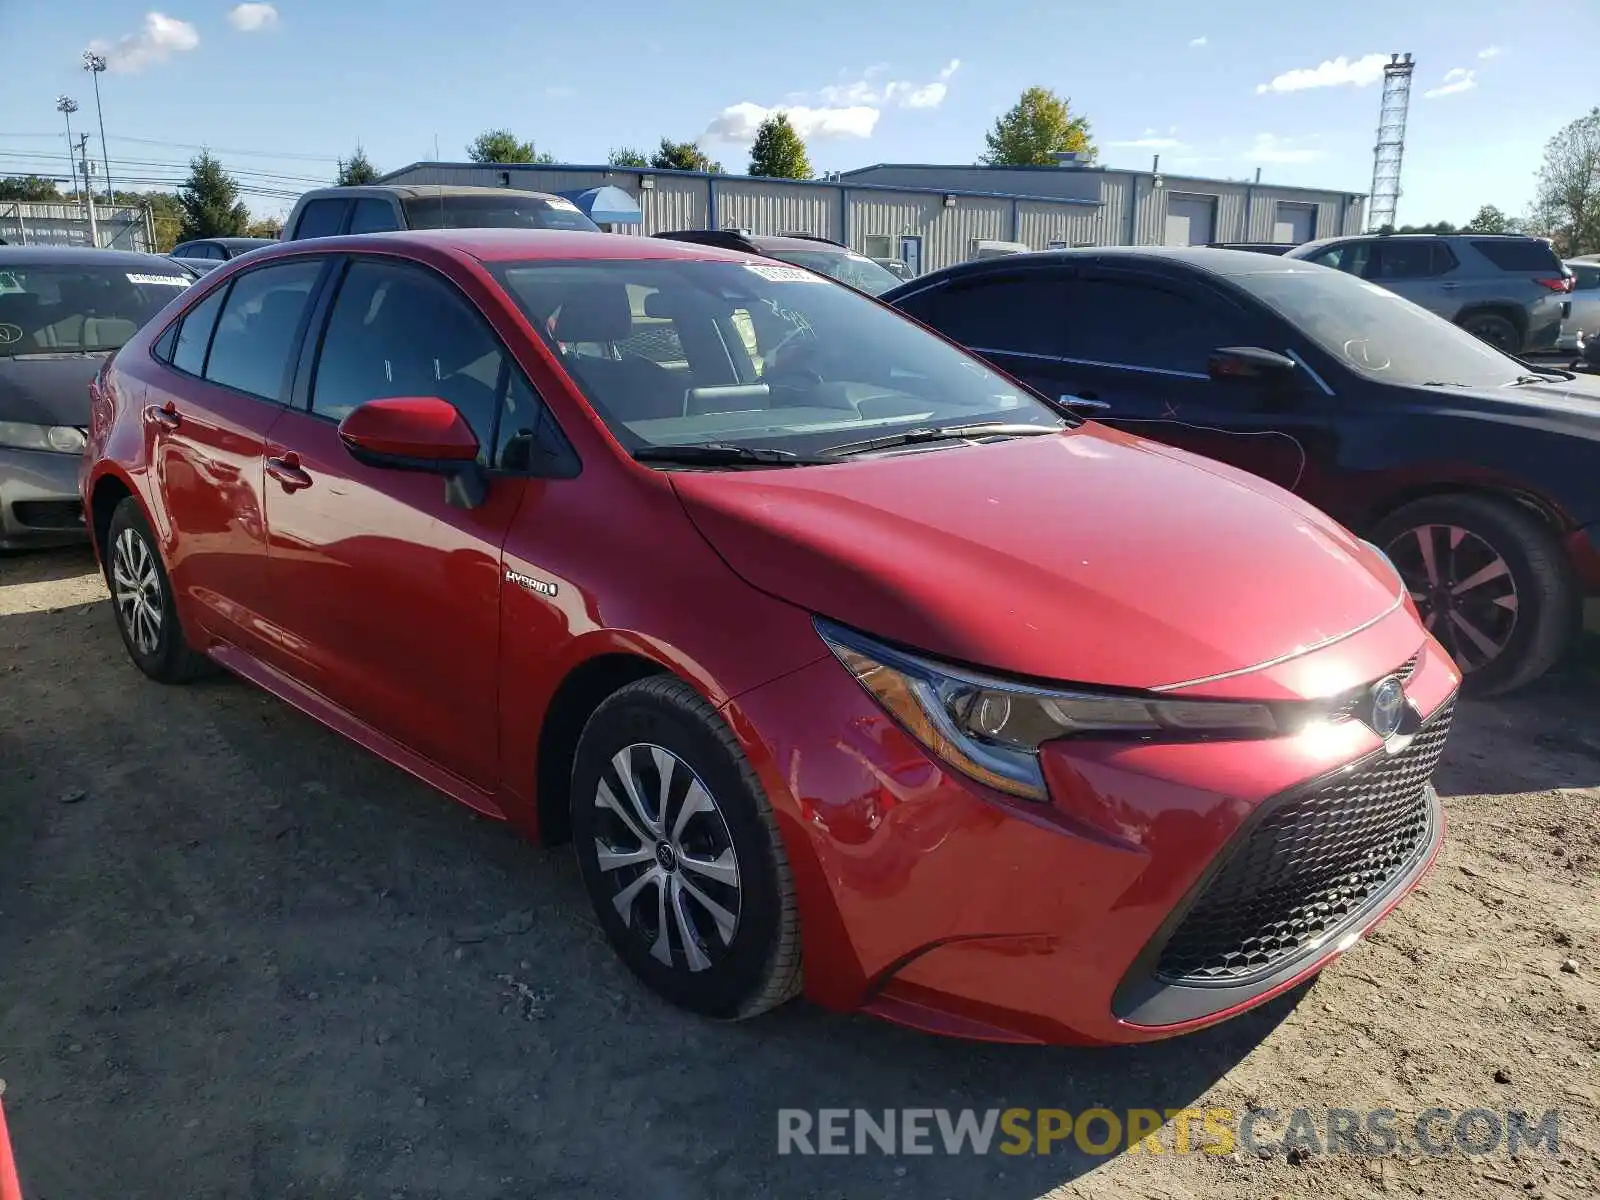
(846, 664)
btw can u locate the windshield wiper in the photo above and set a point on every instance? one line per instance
(942, 433)
(1552, 376)
(725, 454)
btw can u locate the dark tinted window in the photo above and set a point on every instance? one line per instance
(513, 210)
(1350, 257)
(1405, 260)
(373, 216)
(1519, 254)
(528, 434)
(73, 307)
(401, 331)
(215, 253)
(1139, 324)
(257, 334)
(194, 334)
(1585, 279)
(321, 218)
(1023, 314)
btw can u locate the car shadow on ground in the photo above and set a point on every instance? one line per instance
(243, 957)
(45, 566)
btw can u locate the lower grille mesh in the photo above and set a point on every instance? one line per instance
(1306, 868)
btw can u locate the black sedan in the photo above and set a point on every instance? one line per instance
(1473, 470)
(209, 253)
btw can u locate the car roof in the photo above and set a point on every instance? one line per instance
(512, 245)
(407, 191)
(32, 256)
(1199, 258)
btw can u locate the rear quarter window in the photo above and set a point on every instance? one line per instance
(1519, 255)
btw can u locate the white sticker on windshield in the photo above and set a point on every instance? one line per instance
(563, 205)
(161, 280)
(784, 274)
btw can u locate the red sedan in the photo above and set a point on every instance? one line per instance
(827, 646)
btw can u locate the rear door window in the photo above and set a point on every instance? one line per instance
(321, 218)
(373, 216)
(1403, 260)
(259, 329)
(194, 334)
(1018, 313)
(1349, 257)
(1518, 254)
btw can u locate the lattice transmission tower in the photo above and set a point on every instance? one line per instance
(1391, 147)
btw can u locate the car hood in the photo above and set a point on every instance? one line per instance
(48, 389)
(1090, 556)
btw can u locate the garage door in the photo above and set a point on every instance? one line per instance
(1295, 223)
(1191, 220)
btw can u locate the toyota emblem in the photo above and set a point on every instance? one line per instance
(1388, 706)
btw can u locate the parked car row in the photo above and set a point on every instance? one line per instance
(795, 616)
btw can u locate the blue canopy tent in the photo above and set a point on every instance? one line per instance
(606, 205)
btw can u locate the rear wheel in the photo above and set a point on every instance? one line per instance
(1491, 583)
(1498, 331)
(141, 597)
(680, 853)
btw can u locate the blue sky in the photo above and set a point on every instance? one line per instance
(280, 90)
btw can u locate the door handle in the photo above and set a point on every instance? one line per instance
(287, 471)
(1449, 287)
(1085, 401)
(167, 416)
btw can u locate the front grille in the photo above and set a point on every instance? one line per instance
(49, 514)
(1309, 866)
(1350, 704)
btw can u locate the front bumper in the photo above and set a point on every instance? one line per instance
(930, 901)
(39, 500)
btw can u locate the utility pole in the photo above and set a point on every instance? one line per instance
(95, 64)
(88, 190)
(66, 106)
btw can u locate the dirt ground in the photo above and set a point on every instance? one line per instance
(241, 958)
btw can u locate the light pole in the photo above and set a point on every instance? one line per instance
(95, 64)
(66, 106)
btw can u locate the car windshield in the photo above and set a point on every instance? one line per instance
(752, 354)
(860, 273)
(1378, 334)
(75, 308)
(511, 211)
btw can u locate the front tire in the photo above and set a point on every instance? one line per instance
(680, 853)
(141, 598)
(1491, 582)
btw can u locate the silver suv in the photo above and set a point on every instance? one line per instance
(1509, 290)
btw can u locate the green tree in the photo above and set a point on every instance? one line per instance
(1037, 127)
(683, 156)
(30, 188)
(502, 146)
(627, 156)
(265, 227)
(1566, 205)
(1489, 219)
(166, 215)
(210, 201)
(778, 151)
(1436, 227)
(356, 170)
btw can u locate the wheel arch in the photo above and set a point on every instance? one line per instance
(1531, 501)
(108, 491)
(1515, 313)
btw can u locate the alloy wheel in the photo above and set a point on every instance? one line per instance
(1463, 587)
(664, 847)
(136, 590)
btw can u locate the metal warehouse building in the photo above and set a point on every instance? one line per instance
(934, 216)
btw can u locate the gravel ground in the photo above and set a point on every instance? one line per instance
(240, 957)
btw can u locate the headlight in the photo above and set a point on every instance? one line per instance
(63, 439)
(991, 729)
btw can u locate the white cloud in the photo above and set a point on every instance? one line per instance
(1269, 148)
(1335, 72)
(1490, 52)
(901, 93)
(1456, 79)
(252, 18)
(739, 122)
(1196, 43)
(1150, 143)
(161, 37)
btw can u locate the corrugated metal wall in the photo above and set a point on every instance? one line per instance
(767, 206)
(673, 203)
(26, 223)
(1039, 224)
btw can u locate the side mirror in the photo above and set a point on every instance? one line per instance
(1250, 363)
(418, 433)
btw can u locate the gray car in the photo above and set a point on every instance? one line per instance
(63, 311)
(383, 208)
(1511, 291)
(1582, 327)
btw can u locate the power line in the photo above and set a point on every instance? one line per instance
(123, 137)
(35, 156)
